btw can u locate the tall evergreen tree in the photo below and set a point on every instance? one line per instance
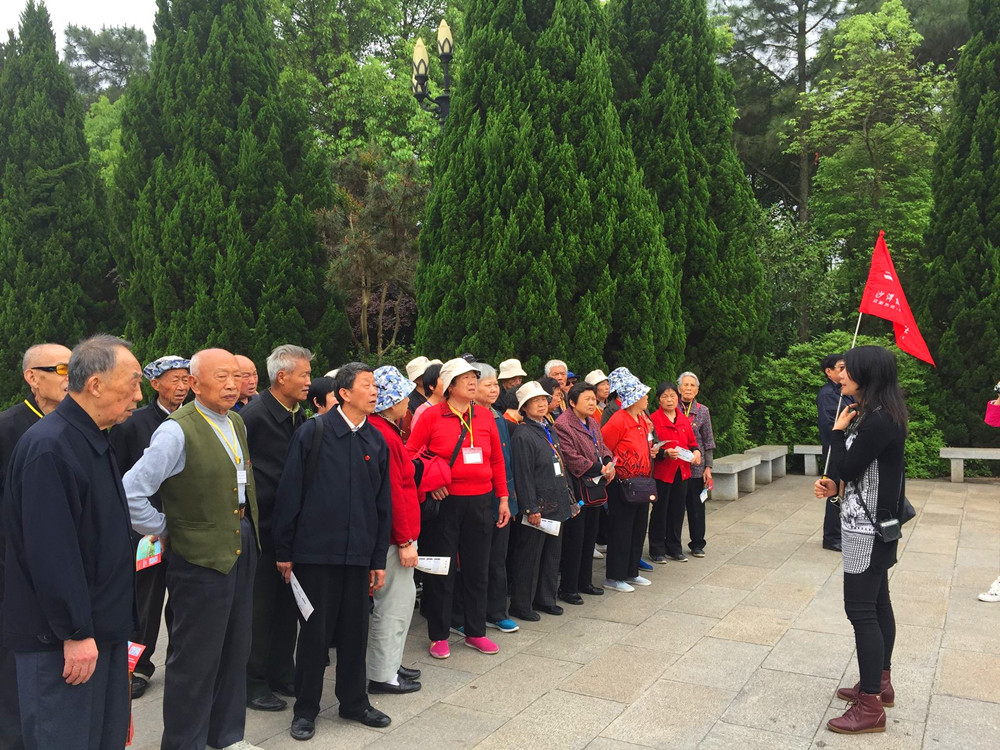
(677, 106)
(540, 239)
(214, 193)
(960, 286)
(56, 283)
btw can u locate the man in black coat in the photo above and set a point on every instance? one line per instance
(68, 605)
(826, 406)
(271, 419)
(332, 525)
(45, 368)
(169, 378)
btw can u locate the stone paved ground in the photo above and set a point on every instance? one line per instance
(743, 649)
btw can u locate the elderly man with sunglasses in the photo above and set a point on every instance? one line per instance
(46, 371)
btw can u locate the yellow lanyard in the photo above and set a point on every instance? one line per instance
(28, 404)
(687, 412)
(232, 445)
(467, 425)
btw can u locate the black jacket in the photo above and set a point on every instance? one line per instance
(539, 489)
(345, 516)
(70, 565)
(826, 408)
(270, 427)
(131, 438)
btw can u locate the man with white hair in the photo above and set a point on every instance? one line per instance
(271, 419)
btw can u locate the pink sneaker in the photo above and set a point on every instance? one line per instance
(440, 650)
(482, 644)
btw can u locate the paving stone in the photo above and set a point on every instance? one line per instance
(825, 615)
(438, 682)
(811, 653)
(916, 612)
(442, 726)
(556, 720)
(620, 674)
(708, 601)
(733, 576)
(918, 585)
(790, 597)
(673, 632)
(916, 645)
(717, 662)
(753, 625)
(782, 702)
(972, 624)
(513, 685)
(927, 562)
(580, 640)
(961, 723)
(968, 674)
(725, 736)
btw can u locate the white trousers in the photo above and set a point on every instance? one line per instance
(391, 619)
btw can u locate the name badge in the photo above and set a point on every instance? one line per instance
(556, 466)
(472, 455)
(241, 476)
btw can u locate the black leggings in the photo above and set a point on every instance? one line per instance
(866, 601)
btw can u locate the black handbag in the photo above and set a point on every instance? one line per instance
(639, 490)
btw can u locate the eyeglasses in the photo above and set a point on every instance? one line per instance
(62, 370)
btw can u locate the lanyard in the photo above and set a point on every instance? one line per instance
(688, 408)
(28, 404)
(232, 445)
(467, 425)
(597, 450)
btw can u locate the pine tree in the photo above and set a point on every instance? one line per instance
(215, 193)
(677, 106)
(57, 280)
(960, 284)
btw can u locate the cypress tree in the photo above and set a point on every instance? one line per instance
(677, 105)
(57, 281)
(216, 242)
(959, 286)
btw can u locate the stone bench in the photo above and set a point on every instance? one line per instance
(772, 462)
(733, 475)
(811, 453)
(957, 456)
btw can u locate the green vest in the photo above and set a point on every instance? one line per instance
(202, 502)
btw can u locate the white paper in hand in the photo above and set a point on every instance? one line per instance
(305, 606)
(685, 455)
(436, 566)
(704, 495)
(547, 525)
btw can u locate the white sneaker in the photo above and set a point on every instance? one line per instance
(242, 745)
(993, 595)
(639, 581)
(618, 585)
(601, 547)
(598, 555)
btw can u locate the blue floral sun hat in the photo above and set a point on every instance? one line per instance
(165, 364)
(618, 377)
(392, 387)
(632, 391)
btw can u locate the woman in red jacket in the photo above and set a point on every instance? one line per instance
(394, 601)
(467, 437)
(672, 469)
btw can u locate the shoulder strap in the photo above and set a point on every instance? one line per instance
(312, 460)
(458, 446)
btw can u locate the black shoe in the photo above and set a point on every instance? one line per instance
(410, 674)
(387, 688)
(370, 717)
(286, 689)
(679, 557)
(139, 685)
(529, 616)
(549, 609)
(835, 547)
(697, 552)
(269, 702)
(591, 590)
(302, 729)
(571, 598)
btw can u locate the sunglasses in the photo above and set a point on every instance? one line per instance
(62, 370)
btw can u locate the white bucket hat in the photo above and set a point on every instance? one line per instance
(416, 366)
(529, 391)
(595, 376)
(453, 368)
(511, 368)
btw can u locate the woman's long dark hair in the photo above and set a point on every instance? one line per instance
(873, 368)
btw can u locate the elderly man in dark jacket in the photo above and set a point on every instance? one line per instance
(332, 526)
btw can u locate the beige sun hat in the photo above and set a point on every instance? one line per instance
(453, 368)
(416, 367)
(511, 368)
(595, 376)
(529, 391)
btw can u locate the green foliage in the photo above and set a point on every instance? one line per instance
(959, 284)
(56, 284)
(784, 392)
(103, 128)
(103, 62)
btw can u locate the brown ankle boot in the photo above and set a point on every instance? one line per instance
(888, 694)
(864, 715)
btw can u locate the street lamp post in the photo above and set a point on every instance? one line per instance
(441, 104)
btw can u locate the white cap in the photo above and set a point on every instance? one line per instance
(452, 369)
(511, 368)
(415, 367)
(332, 373)
(529, 391)
(595, 376)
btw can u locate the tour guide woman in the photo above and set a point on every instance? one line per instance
(464, 524)
(867, 450)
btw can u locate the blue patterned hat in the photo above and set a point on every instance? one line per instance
(164, 364)
(618, 377)
(632, 391)
(392, 387)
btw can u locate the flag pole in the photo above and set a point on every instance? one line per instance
(840, 401)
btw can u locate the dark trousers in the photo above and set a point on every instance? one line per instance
(205, 691)
(831, 516)
(666, 518)
(626, 531)
(602, 525)
(496, 585)
(339, 595)
(91, 716)
(10, 714)
(463, 527)
(695, 513)
(576, 567)
(275, 625)
(536, 570)
(866, 601)
(150, 591)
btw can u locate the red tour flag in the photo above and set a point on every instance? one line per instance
(884, 298)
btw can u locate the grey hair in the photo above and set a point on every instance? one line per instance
(30, 354)
(284, 358)
(486, 372)
(688, 374)
(345, 377)
(555, 363)
(94, 356)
